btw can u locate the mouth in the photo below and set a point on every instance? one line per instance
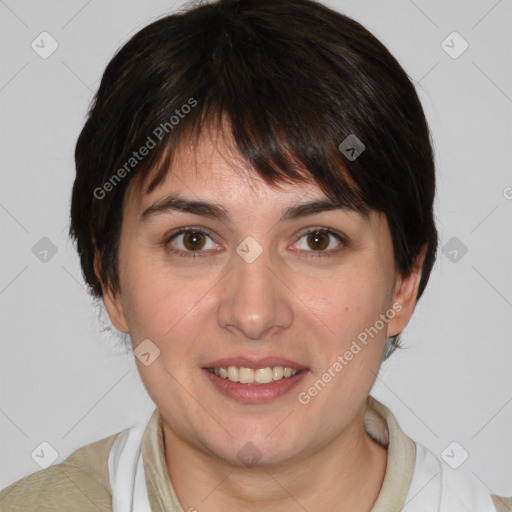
(254, 381)
(255, 376)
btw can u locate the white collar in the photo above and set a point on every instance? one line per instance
(434, 486)
(126, 469)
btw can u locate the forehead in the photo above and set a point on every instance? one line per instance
(212, 180)
(214, 168)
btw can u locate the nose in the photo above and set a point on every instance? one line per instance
(255, 299)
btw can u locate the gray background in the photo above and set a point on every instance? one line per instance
(64, 383)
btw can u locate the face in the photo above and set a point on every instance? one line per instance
(279, 301)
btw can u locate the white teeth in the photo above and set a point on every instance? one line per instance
(245, 375)
(277, 373)
(254, 376)
(263, 375)
(233, 374)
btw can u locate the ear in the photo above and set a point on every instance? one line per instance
(404, 296)
(112, 300)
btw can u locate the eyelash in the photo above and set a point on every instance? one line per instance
(197, 254)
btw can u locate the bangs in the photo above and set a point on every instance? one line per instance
(286, 109)
(273, 155)
(288, 85)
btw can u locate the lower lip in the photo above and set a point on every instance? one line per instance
(255, 393)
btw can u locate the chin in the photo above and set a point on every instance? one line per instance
(260, 447)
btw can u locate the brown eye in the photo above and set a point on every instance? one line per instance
(318, 240)
(190, 242)
(193, 240)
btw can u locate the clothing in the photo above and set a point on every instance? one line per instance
(82, 482)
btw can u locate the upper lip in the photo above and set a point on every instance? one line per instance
(261, 362)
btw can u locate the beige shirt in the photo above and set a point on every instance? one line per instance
(81, 482)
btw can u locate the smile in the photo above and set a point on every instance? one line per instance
(246, 375)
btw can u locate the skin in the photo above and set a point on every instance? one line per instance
(315, 456)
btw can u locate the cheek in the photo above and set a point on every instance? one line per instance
(347, 302)
(160, 303)
(148, 301)
(347, 307)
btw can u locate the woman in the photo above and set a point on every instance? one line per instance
(253, 203)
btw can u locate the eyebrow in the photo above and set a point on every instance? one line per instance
(175, 203)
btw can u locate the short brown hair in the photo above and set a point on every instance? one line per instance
(295, 79)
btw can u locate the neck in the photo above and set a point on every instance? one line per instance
(345, 474)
